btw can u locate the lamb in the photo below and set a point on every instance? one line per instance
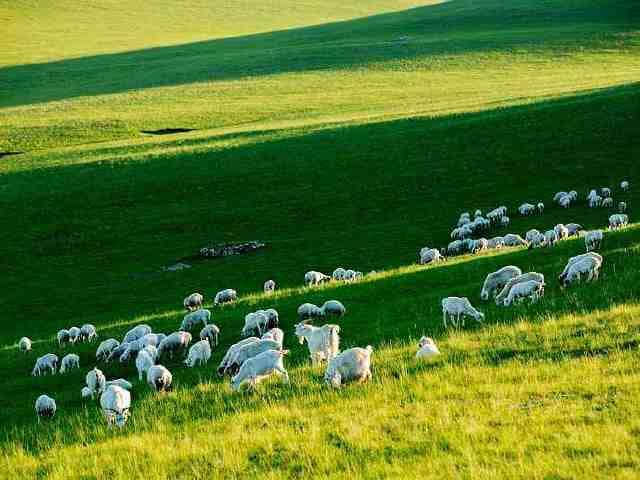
(48, 362)
(526, 209)
(315, 278)
(231, 352)
(74, 334)
(210, 333)
(338, 274)
(606, 192)
(259, 367)
(269, 286)
(45, 407)
(69, 362)
(561, 231)
(529, 289)
(427, 348)
(525, 277)
(309, 310)
(159, 378)
(88, 333)
(497, 280)
(574, 229)
(353, 364)
(24, 345)
(63, 337)
(144, 361)
(618, 220)
(333, 307)
(550, 238)
(323, 342)
(247, 351)
(622, 207)
(596, 256)
(274, 334)
(105, 348)
(540, 208)
(173, 343)
(119, 382)
(228, 295)
(429, 255)
(115, 402)
(456, 308)
(96, 381)
(624, 185)
(514, 240)
(193, 319)
(593, 240)
(495, 242)
(199, 353)
(589, 266)
(153, 339)
(193, 302)
(607, 203)
(136, 333)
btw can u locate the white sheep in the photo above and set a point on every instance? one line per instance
(105, 348)
(96, 380)
(136, 333)
(427, 348)
(193, 319)
(269, 286)
(323, 342)
(338, 274)
(151, 339)
(454, 247)
(193, 301)
(514, 240)
(561, 231)
(275, 334)
(593, 240)
(45, 407)
(504, 221)
(315, 278)
(531, 234)
(550, 238)
(540, 208)
(529, 289)
(119, 382)
(199, 353)
(618, 220)
(574, 229)
(478, 213)
(115, 403)
(255, 321)
(159, 378)
(86, 393)
(526, 209)
(565, 202)
(605, 192)
(309, 310)
(595, 201)
(607, 202)
(495, 281)
(333, 307)
(429, 255)
(228, 295)
(48, 362)
(596, 256)
(624, 185)
(559, 195)
(495, 242)
(622, 207)
(353, 364)
(63, 337)
(247, 351)
(224, 363)
(117, 352)
(537, 241)
(152, 350)
(130, 352)
(525, 277)
(88, 333)
(174, 343)
(24, 345)
(210, 333)
(74, 334)
(259, 367)
(479, 245)
(456, 308)
(144, 361)
(69, 362)
(589, 266)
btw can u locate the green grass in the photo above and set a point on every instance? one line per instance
(320, 131)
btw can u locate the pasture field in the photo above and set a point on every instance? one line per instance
(342, 134)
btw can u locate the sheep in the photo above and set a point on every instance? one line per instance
(173, 343)
(323, 342)
(96, 380)
(119, 382)
(464, 218)
(144, 361)
(275, 334)
(349, 275)
(565, 202)
(592, 195)
(105, 348)
(159, 378)
(495, 281)
(130, 352)
(88, 333)
(593, 240)
(595, 201)
(247, 351)
(136, 333)
(210, 333)
(48, 362)
(199, 353)
(624, 185)
(24, 345)
(429, 255)
(115, 403)
(86, 393)
(514, 240)
(69, 362)
(460, 233)
(531, 289)
(607, 203)
(74, 334)
(117, 352)
(228, 295)
(309, 310)
(478, 213)
(479, 245)
(622, 207)
(193, 319)
(537, 241)
(525, 277)
(353, 364)
(589, 266)
(224, 363)
(427, 348)
(574, 229)
(269, 286)
(457, 308)
(605, 192)
(45, 407)
(454, 247)
(559, 195)
(255, 321)
(596, 256)
(333, 307)
(550, 238)
(193, 302)
(531, 234)
(540, 208)
(561, 231)
(338, 274)
(63, 337)
(315, 278)
(151, 350)
(495, 242)
(618, 220)
(153, 339)
(259, 367)
(526, 209)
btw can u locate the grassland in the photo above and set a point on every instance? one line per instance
(340, 135)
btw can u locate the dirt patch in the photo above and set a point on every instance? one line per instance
(168, 131)
(6, 154)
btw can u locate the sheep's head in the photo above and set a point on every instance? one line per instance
(300, 330)
(484, 295)
(425, 341)
(121, 418)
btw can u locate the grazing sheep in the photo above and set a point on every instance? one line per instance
(537, 241)
(618, 220)
(269, 286)
(144, 361)
(531, 234)
(596, 256)
(247, 351)
(63, 337)
(323, 342)
(48, 362)
(199, 353)
(540, 208)
(478, 213)
(130, 352)
(605, 192)
(275, 334)
(88, 333)
(117, 352)
(74, 334)
(607, 202)
(315, 278)
(105, 348)
(574, 229)
(115, 402)
(595, 201)
(193, 302)
(69, 361)
(624, 185)
(559, 195)
(353, 364)
(159, 378)
(525, 277)
(136, 333)
(427, 348)
(454, 247)
(550, 238)
(309, 310)
(504, 221)
(174, 343)
(479, 245)
(193, 319)
(45, 407)
(529, 289)
(429, 255)
(495, 242)
(24, 345)
(561, 231)
(457, 308)
(86, 393)
(152, 351)
(338, 274)
(228, 295)
(210, 333)
(119, 382)
(497, 280)
(255, 321)
(526, 209)
(514, 240)
(593, 240)
(333, 307)
(231, 352)
(151, 339)
(565, 202)
(622, 207)
(259, 367)
(592, 195)
(460, 233)
(589, 266)
(96, 381)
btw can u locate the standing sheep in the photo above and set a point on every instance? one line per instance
(105, 348)
(589, 266)
(24, 345)
(96, 381)
(338, 274)
(193, 302)
(593, 240)
(247, 351)
(622, 207)
(88, 333)
(525, 277)
(174, 343)
(562, 231)
(550, 238)
(624, 185)
(74, 335)
(353, 364)
(48, 362)
(457, 308)
(136, 333)
(259, 367)
(231, 352)
(497, 280)
(540, 208)
(323, 342)
(199, 353)
(315, 278)
(269, 286)
(159, 378)
(529, 289)
(309, 310)
(144, 361)
(63, 338)
(193, 319)
(45, 407)
(115, 402)
(210, 333)
(69, 361)
(333, 307)
(514, 240)
(228, 295)
(596, 256)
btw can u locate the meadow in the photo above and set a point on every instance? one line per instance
(340, 135)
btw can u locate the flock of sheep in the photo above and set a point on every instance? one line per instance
(254, 358)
